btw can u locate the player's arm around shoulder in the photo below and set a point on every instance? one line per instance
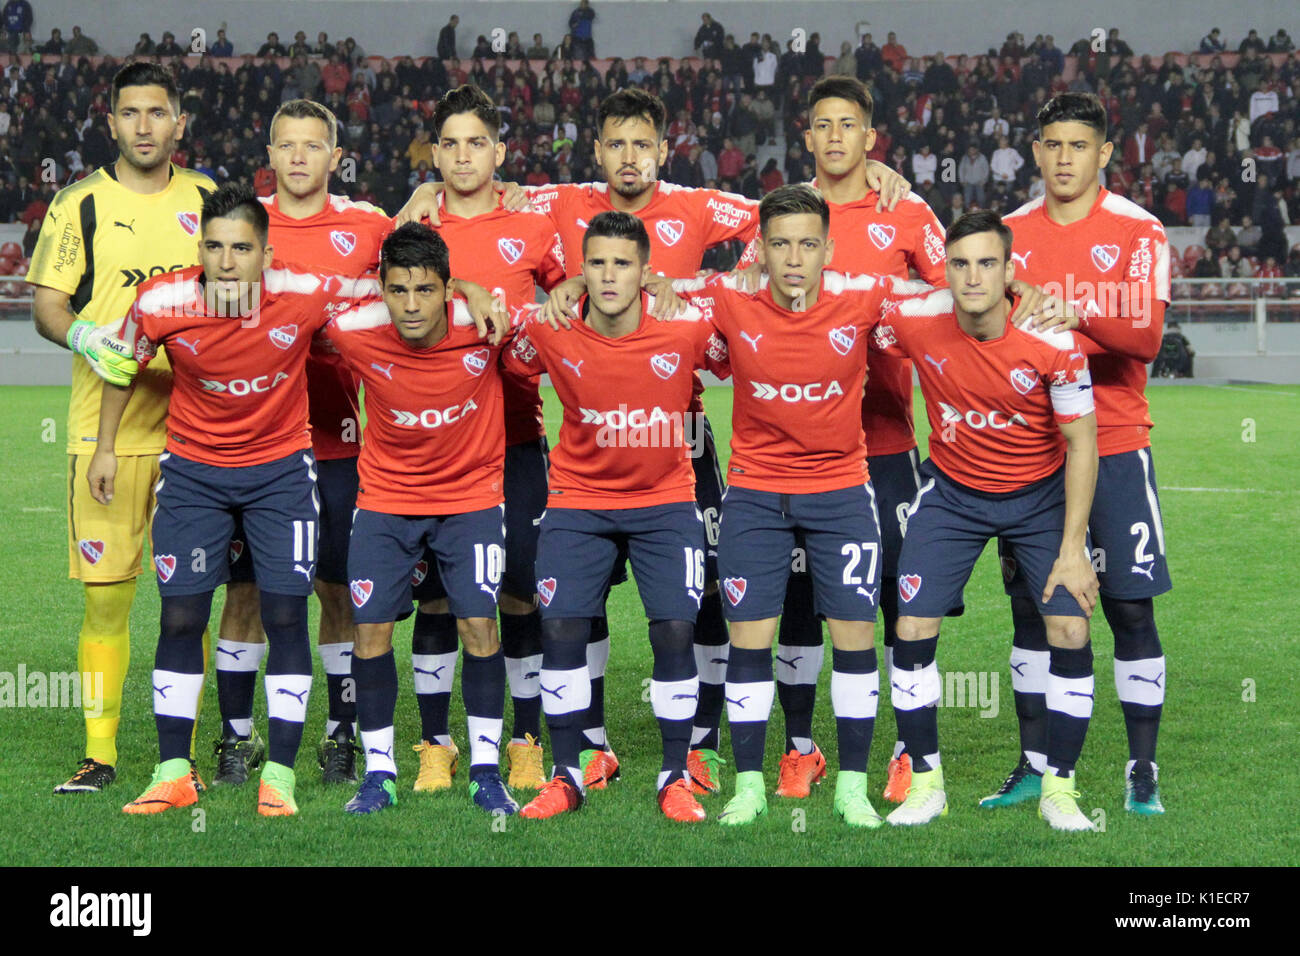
(525, 356)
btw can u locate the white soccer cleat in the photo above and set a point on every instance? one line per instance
(1057, 805)
(926, 800)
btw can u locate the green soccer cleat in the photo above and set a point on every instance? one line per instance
(1022, 785)
(851, 801)
(1141, 792)
(749, 803)
(926, 800)
(1057, 805)
(275, 791)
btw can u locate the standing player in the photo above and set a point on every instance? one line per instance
(329, 234)
(1110, 258)
(431, 478)
(510, 252)
(999, 401)
(103, 236)
(621, 480)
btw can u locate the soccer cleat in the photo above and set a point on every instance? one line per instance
(678, 803)
(337, 756)
(237, 757)
(925, 800)
(378, 791)
(1141, 792)
(851, 801)
(1021, 786)
(489, 792)
(798, 772)
(1057, 805)
(556, 797)
(749, 803)
(437, 766)
(525, 761)
(900, 778)
(275, 791)
(599, 767)
(705, 768)
(172, 786)
(91, 777)
(199, 785)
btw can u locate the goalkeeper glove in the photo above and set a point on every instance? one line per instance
(110, 357)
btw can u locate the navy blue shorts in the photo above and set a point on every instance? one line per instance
(469, 551)
(525, 491)
(1125, 528)
(896, 479)
(841, 533)
(194, 524)
(948, 526)
(578, 547)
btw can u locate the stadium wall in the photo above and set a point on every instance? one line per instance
(665, 27)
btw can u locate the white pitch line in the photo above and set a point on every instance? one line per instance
(1254, 391)
(1225, 491)
(38, 510)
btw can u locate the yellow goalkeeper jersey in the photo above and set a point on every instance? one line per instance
(99, 241)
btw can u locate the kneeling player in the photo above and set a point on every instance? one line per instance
(997, 397)
(620, 476)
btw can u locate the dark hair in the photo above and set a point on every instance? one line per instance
(793, 200)
(633, 103)
(467, 99)
(619, 225)
(844, 88)
(307, 109)
(985, 220)
(145, 74)
(236, 201)
(1083, 108)
(415, 246)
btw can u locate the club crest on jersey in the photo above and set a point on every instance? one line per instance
(166, 565)
(842, 339)
(361, 591)
(419, 573)
(670, 230)
(546, 591)
(665, 364)
(1023, 380)
(510, 249)
(343, 242)
(283, 337)
(92, 551)
(909, 585)
(1105, 257)
(476, 362)
(236, 549)
(735, 589)
(880, 235)
(189, 222)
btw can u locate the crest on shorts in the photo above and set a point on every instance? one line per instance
(880, 235)
(236, 549)
(665, 364)
(842, 339)
(1023, 380)
(546, 591)
(735, 589)
(343, 242)
(670, 230)
(419, 573)
(166, 565)
(189, 222)
(283, 336)
(476, 362)
(92, 551)
(1104, 257)
(510, 249)
(908, 586)
(361, 591)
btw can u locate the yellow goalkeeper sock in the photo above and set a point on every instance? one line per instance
(103, 653)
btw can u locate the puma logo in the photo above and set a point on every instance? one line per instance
(938, 365)
(128, 226)
(380, 753)
(385, 370)
(686, 696)
(488, 740)
(234, 654)
(300, 697)
(753, 342)
(1149, 572)
(577, 369)
(909, 691)
(531, 674)
(192, 346)
(162, 691)
(1077, 693)
(739, 703)
(554, 693)
(1016, 667)
(306, 572)
(1147, 680)
(1022, 259)
(791, 662)
(490, 590)
(869, 595)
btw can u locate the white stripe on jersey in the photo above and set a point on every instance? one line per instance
(936, 303)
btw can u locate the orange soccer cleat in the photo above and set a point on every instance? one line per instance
(798, 772)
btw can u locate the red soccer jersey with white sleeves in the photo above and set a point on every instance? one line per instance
(344, 240)
(994, 406)
(888, 243)
(1114, 264)
(239, 394)
(512, 252)
(435, 430)
(796, 424)
(623, 440)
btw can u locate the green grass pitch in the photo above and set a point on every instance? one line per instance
(1226, 459)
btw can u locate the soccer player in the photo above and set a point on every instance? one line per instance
(1110, 258)
(319, 232)
(1000, 400)
(798, 465)
(432, 467)
(621, 479)
(682, 224)
(101, 238)
(512, 252)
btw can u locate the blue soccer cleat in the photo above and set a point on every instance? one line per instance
(378, 791)
(489, 791)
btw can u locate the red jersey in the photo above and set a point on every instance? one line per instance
(239, 392)
(435, 429)
(796, 423)
(623, 440)
(343, 240)
(888, 243)
(994, 406)
(510, 253)
(1114, 265)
